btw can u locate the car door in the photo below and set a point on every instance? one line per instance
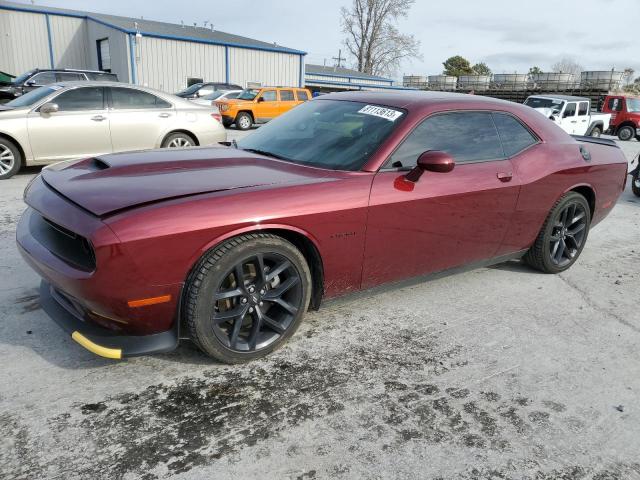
(287, 101)
(443, 220)
(79, 128)
(583, 118)
(138, 119)
(569, 119)
(266, 106)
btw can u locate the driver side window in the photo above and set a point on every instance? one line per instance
(466, 136)
(570, 110)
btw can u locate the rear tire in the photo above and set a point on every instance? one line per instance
(10, 159)
(596, 132)
(238, 321)
(244, 121)
(562, 236)
(178, 140)
(626, 133)
(635, 183)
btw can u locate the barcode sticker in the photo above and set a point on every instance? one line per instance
(382, 112)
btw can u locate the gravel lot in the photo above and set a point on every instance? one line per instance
(496, 373)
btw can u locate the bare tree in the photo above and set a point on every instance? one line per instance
(567, 65)
(373, 39)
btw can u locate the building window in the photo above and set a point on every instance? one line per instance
(104, 55)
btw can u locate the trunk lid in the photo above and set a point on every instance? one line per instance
(110, 183)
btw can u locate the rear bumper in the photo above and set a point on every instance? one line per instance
(101, 341)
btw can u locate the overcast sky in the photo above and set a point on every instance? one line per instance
(506, 34)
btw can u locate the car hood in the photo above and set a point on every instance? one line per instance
(547, 112)
(110, 183)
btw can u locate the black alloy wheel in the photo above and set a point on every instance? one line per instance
(563, 235)
(246, 297)
(568, 234)
(256, 302)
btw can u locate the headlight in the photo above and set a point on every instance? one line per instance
(223, 107)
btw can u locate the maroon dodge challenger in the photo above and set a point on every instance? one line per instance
(230, 246)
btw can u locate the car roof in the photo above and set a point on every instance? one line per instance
(413, 98)
(566, 98)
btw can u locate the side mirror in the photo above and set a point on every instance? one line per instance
(261, 99)
(431, 161)
(49, 108)
(30, 83)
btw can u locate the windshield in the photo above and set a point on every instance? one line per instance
(192, 89)
(633, 105)
(32, 97)
(536, 102)
(248, 94)
(339, 135)
(22, 78)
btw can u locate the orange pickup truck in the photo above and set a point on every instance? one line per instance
(259, 105)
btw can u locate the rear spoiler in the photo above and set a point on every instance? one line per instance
(599, 141)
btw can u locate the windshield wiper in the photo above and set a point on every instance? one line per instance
(265, 153)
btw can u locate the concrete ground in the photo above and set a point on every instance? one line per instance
(498, 373)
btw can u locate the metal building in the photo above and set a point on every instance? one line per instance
(156, 54)
(330, 79)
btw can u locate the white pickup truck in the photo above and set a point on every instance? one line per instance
(572, 114)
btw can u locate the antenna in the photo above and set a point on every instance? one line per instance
(339, 58)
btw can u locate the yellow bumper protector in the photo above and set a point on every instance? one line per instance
(105, 352)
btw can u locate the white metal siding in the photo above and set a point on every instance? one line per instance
(69, 38)
(267, 68)
(118, 47)
(166, 64)
(25, 44)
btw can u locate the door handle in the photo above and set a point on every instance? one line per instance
(98, 118)
(504, 176)
(164, 115)
(574, 121)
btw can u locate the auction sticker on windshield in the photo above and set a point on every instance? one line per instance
(386, 113)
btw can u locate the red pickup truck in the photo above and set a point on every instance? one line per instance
(625, 116)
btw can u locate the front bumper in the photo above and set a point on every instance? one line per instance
(101, 341)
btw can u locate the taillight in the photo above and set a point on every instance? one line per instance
(217, 116)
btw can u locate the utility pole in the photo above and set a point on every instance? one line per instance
(339, 58)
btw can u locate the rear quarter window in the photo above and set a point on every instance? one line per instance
(514, 135)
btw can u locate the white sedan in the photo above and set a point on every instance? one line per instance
(83, 119)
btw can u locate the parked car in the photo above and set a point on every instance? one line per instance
(259, 105)
(218, 95)
(198, 90)
(625, 116)
(231, 246)
(572, 114)
(39, 77)
(86, 119)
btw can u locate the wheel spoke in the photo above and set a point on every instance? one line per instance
(560, 252)
(281, 289)
(576, 229)
(261, 276)
(255, 329)
(236, 292)
(272, 324)
(274, 272)
(238, 312)
(284, 304)
(233, 338)
(555, 248)
(576, 218)
(238, 272)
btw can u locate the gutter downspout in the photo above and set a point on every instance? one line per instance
(226, 64)
(132, 58)
(48, 21)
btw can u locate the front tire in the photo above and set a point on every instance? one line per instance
(246, 297)
(178, 140)
(635, 183)
(244, 121)
(562, 236)
(10, 159)
(626, 133)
